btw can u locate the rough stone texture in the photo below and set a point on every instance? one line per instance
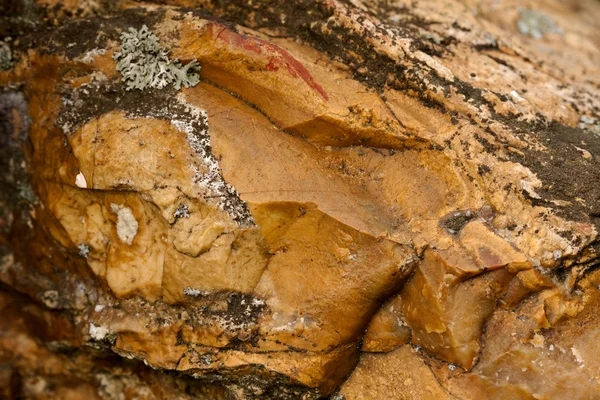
(359, 200)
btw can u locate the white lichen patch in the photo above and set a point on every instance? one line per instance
(200, 142)
(231, 324)
(144, 63)
(530, 186)
(590, 124)
(188, 291)
(536, 24)
(577, 356)
(84, 250)
(584, 119)
(127, 225)
(80, 181)
(5, 56)
(195, 126)
(181, 212)
(258, 302)
(88, 57)
(434, 64)
(98, 332)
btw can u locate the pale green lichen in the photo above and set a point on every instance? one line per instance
(5, 56)
(144, 63)
(590, 124)
(536, 24)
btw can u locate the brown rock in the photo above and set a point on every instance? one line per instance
(388, 328)
(400, 374)
(358, 199)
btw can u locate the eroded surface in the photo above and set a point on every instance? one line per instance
(387, 184)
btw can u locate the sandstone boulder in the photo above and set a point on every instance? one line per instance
(351, 199)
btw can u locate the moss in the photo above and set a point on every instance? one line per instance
(457, 221)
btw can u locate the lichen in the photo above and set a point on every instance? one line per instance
(98, 332)
(84, 250)
(193, 121)
(181, 212)
(188, 291)
(5, 56)
(100, 97)
(144, 63)
(590, 124)
(536, 24)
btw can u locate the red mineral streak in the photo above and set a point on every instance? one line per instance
(278, 57)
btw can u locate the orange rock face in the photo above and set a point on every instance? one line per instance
(356, 201)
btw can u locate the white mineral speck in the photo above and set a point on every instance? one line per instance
(80, 181)
(516, 96)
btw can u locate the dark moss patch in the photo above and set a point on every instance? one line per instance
(483, 169)
(457, 221)
(490, 148)
(257, 383)
(565, 172)
(21, 17)
(78, 36)
(310, 22)
(241, 309)
(502, 62)
(15, 191)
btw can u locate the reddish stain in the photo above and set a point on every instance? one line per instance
(279, 58)
(489, 259)
(238, 40)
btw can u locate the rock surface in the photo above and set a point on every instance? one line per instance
(358, 200)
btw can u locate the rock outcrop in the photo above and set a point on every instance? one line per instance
(351, 199)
